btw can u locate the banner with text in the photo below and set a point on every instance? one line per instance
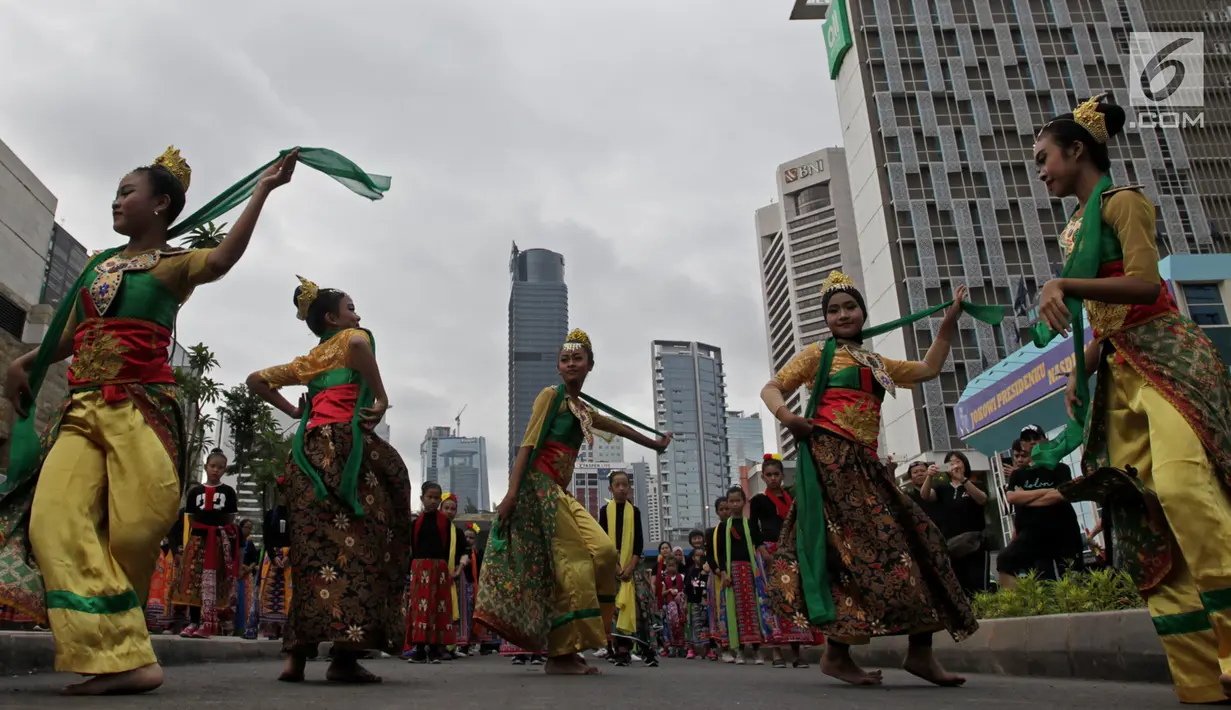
(1047, 373)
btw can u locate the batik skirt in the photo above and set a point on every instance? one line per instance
(789, 629)
(277, 589)
(753, 615)
(508, 649)
(887, 565)
(348, 570)
(158, 610)
(465, 611)
(716, 608)
(698, 631)
(246, 606)
(675, 617)
(430, 617)
(206, 574)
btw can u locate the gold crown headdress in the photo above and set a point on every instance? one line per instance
(176, 165)
(836, 281)
(307, 294)
(1090, 118)
(577, 340)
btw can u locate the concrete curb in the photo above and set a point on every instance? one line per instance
(1115, 646)
(25, 652)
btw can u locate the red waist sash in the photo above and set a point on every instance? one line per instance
(334, 405)
(556, 459)
(111, 352)
(213, 560)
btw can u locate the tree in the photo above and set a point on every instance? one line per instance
(470, 508)
(207, 236)
(197, 390)
(248, 417)
(251, 429)
(268, 461)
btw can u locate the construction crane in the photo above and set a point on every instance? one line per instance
(458, 421)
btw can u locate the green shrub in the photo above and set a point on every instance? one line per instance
(1076, 593)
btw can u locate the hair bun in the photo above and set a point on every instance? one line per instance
(295, 298)
(1113, 116)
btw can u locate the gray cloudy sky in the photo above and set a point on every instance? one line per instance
(635, 137)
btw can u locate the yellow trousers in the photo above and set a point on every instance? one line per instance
(585, 570)
(1192, 607)
(107, 495)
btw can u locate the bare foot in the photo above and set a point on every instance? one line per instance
(921, 662)
(840, 665)
(569, 665)
(292, 672)
(138, 680)
(1225, 679)
(350, 672)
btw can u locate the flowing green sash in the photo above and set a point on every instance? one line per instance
(1083, 263)
(809, 511)
(335, 165)
(349, 489)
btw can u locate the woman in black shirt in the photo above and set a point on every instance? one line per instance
(958, 510)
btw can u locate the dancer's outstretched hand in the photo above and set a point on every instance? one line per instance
(280, 173)
(662, 442)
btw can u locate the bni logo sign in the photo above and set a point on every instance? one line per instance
(1167, 79)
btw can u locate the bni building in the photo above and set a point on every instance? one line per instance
(538, 325)
(801, 238)
(940, 101)
(690, 401)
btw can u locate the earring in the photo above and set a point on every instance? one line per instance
(156, 213)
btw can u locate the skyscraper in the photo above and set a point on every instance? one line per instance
(641, 496)
(690, 401)
(538, 324)
(602, 451)
(807, 233)
(745, 445)
(940, 101)
(458, 464)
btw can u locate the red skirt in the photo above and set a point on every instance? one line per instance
(429, 618)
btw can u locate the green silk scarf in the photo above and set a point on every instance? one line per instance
(809, 505)
(1083, 263)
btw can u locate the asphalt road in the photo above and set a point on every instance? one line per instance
(493, 682)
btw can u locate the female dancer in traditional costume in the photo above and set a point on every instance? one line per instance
(347, 491)
(550, 574)
(207, 572)
(1161, 406)
(767, 511)
(863, 560)
(114, 451)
